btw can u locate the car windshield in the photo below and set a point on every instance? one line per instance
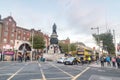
(70, 59)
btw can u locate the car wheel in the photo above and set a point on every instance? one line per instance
(64, 63)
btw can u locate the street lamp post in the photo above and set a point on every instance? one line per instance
(98, 39)
(32, 44)
(3, 53)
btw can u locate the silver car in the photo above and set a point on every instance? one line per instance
(61, 60)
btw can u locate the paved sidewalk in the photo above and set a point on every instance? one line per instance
(98, 77)
(94, 64)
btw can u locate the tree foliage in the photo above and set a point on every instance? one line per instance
(107, 39)
(72, 47)
(64, 47)
(67, 47)
(38, 42)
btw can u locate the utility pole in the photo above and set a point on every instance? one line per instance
(98, 39)
(32, 43)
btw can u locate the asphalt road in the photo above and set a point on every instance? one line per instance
(54, 71)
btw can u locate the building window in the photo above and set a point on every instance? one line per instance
(28, 39)
(13, 29)
(5, 34)
(19, 31)
(6, 28)
(28, 34)
(19, 37)
(4, 40)
(12, 35)
(6, 23)
(24, 33)
(11, 41)
(10, 19)
(24, 38)
(13, 25)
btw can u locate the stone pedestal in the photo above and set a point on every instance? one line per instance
(52, 57)
(53, 49)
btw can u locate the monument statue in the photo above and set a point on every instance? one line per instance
(53, 39)
(54, 47)
(54, 29)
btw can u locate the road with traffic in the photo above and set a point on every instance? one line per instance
(55, 71)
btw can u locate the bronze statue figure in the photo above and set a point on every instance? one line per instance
(54, 28)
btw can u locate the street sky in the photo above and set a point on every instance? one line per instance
(74, 18)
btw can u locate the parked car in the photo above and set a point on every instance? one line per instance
(61, 60)
(70, 60)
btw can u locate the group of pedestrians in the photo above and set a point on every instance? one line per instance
(110, 61)
(21, 57)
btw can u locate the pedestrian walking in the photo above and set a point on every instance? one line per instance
(89, 60)
(97, 59)
(102, 61)
(118, 61)
(113, 61)
(75, 61)
(20, 57)
(82, 60)
(108, 60)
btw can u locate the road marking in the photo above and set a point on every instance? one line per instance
(75, 68)
(59, 78)
(35, 79)
(62, 71)
(3, 67)
(16, 72)
(43, 76)
(78, 75)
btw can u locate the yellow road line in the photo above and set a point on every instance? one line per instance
(78, 75)
(63, 71)
(43, 76)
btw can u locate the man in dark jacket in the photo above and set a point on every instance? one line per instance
(118, 61)
(102, 61)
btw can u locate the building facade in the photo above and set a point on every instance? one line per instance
(13, 37)
(66, 41)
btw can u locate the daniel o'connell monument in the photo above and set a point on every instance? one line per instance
(54, 47)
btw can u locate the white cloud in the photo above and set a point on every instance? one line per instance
(74, 18)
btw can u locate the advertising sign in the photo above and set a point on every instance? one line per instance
(9, 52)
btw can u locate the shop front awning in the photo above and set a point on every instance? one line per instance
(8, 53)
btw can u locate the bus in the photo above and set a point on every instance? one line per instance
(85, 53)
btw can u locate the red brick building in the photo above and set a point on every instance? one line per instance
(13, 37)
(66, 41)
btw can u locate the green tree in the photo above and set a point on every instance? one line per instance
(38, 42)
(64, 47)
(72, 47)
(67, 47)
(107, 39)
